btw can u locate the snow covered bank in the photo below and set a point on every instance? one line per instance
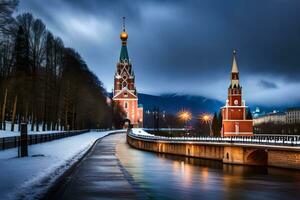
(140, 131)
(27, 178)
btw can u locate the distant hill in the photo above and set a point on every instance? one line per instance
(172, 103)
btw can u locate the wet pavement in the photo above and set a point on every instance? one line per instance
(100, 175)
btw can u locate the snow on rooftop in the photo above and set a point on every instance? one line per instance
(29, 177)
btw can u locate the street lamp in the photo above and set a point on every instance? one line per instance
(207, 119)
(185, 116)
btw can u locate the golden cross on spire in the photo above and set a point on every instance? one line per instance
(124, 24)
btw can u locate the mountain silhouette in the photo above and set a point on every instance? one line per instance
(173, 103)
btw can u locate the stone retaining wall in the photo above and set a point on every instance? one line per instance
(285, 157)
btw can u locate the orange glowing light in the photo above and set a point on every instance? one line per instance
(185, 115)
(206, 118)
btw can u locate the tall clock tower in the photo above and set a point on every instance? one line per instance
(125, 93)
(234, 115)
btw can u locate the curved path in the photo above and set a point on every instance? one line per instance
(100, 175)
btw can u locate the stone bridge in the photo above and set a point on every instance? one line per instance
(275, 151)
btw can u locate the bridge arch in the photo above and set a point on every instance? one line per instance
(257, 157)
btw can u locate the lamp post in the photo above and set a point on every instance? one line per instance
(208, 119)
(156, 118)
(185, 116)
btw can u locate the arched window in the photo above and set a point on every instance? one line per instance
(125, 105)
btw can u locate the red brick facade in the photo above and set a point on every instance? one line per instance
(234, 121)
(125, 93)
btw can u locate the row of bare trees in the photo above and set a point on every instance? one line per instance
(44, 83)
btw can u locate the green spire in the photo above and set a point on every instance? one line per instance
(124, 53)
(123, 37)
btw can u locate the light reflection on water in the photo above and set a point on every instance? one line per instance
(164, 176)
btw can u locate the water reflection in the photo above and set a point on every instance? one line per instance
(165, 176)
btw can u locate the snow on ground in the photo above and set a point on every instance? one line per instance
(140, 131)
(29, 177)
(16, 133)
(8, 133)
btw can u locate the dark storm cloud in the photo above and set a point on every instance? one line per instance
(267, 84)
(185, 46)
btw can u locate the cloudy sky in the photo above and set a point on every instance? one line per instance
(186, 46)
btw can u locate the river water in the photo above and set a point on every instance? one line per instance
(162, 176)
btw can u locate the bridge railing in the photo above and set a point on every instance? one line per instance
(100, 130)
(280, 140)
(165, 129)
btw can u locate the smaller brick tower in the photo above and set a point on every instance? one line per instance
(234, 112)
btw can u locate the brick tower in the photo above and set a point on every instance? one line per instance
(125, 93)
(234, 112)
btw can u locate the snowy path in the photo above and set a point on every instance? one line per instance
(26, 178)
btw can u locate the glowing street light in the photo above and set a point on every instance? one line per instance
(206, 118)
(185, 115)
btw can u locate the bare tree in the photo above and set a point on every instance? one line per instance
(7, 7)
(44, 83)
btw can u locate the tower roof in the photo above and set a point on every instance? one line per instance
(234, 63)
(124, 53)
(124, 36)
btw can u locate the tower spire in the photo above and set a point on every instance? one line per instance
(234, 72)
(234, 68)
(124, 36)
